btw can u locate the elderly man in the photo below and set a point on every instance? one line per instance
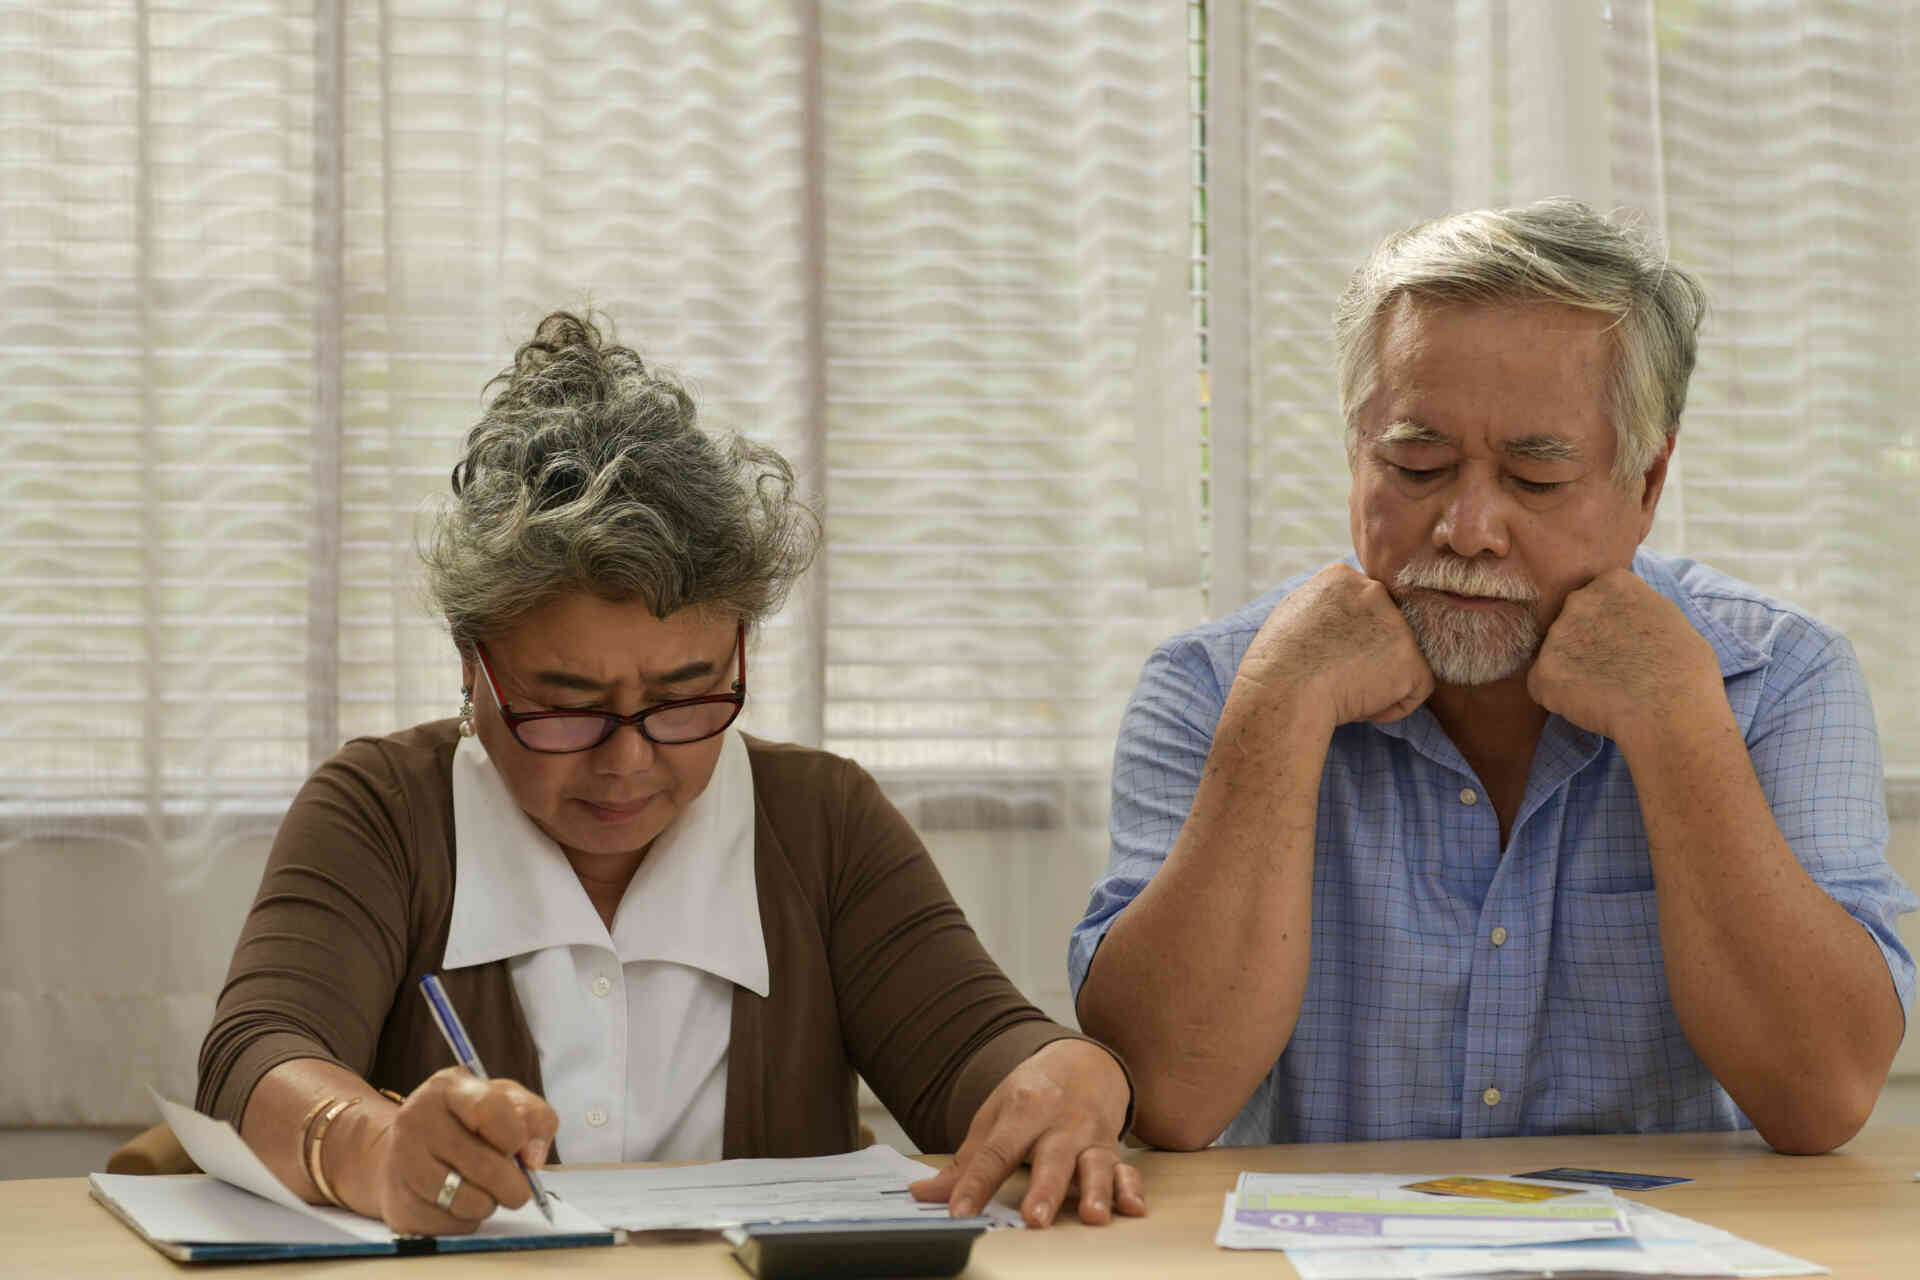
(1502, 825)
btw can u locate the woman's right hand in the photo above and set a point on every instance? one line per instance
(457, 1123)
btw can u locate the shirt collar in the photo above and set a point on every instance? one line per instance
(693, 901)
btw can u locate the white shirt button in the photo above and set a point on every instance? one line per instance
(1491, 1097)
(1469, 796)
(597, 1117)
(601, 986)
(1499, 935)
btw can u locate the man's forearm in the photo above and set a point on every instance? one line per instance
(1200, 978)
(1783, 995)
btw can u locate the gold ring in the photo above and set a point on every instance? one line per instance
(448, 1190)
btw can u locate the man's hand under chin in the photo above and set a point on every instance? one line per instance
(1341, 640)
(1620, 653)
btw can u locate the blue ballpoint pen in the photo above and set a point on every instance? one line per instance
(449, 1023)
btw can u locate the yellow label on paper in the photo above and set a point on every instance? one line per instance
(1489, 1189)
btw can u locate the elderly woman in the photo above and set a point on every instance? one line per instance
(668, 940)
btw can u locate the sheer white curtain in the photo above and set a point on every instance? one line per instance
(1770, 145)
(1002, 183)
(257, 258)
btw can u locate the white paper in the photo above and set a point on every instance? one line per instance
(1374, 1211)
(864, 1185)
(219, 1149)
(1663, 1244)
(194, 1209)
(1737, 1256)
(1533, 1260)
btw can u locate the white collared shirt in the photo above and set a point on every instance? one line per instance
(632, 1025)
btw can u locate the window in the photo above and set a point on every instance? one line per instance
(960, 259)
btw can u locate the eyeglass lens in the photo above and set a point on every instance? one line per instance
(667, 724)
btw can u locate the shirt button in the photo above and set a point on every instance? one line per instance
(1491, 1097)
(1499, 935)
(598, 1118)
(601, 986)
(1469, 796)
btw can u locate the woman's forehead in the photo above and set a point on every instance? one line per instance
(578, 639)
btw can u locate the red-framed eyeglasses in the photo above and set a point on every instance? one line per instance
(668, 724)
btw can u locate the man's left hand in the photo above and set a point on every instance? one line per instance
(1620, 654)
(1060, 1111)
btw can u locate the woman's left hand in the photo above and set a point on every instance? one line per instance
(1060, 1111)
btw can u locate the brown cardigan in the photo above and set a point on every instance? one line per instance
(874, 969)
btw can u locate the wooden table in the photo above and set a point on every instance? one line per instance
(1856, 1211)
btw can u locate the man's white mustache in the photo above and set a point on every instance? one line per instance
(1464, 578)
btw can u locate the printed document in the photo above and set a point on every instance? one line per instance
(1372, 1227)
(864, 1185)
(1368, 1210)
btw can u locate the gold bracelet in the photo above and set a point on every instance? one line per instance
(316, 1151)
(306, 1128)
(305, 1153)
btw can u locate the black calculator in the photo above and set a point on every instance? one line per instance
(885, 1247)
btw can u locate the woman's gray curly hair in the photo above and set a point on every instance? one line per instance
(588, 472)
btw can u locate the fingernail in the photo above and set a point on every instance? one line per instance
(960, 1209)
(1099, 1206)
(1042, 1214)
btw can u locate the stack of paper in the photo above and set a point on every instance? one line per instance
(238, 1210)
(1404, 1226)
(867, 1185)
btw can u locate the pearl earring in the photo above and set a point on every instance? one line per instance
(466, 713)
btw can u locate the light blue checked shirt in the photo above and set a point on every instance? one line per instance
(1454, 992)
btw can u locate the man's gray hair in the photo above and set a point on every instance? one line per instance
(1554, 251)
(588, 472)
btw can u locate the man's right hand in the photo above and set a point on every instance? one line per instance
(1200, 979)
(459, 1123)
(1341, 642)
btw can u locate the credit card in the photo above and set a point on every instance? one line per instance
(1607, 1178)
